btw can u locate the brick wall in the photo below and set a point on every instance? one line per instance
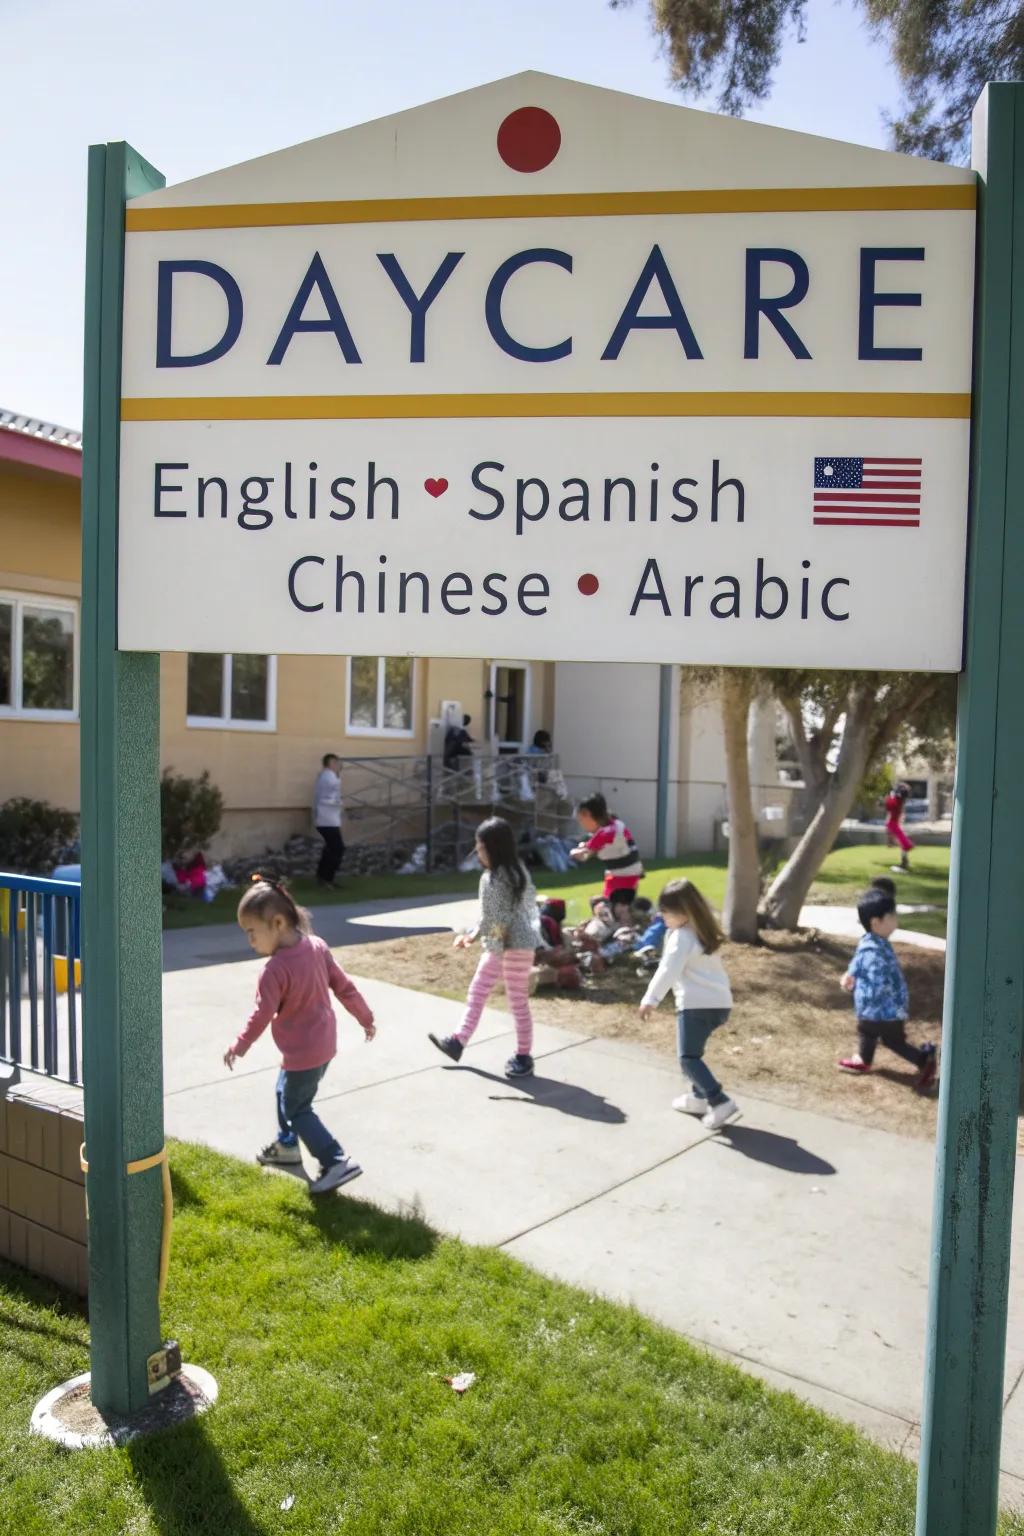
(42, 1187)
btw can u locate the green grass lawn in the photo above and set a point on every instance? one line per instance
(849, 870)
(843, 874)
(577, 886)
(330, 1327)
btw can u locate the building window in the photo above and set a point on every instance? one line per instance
(380, 695)
(236, 693)
(38, 657)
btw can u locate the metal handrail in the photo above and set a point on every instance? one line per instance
(39, 966)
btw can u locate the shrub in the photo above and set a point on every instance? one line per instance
(32, 834)
(190, 814)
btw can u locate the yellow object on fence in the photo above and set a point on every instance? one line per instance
(5, 914)
(60, 973)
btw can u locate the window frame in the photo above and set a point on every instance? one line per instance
(225, 721)
(382, 731)
(19, 601)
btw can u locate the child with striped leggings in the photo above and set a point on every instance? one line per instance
(507, 929)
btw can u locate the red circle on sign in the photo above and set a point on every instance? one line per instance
(529, 139)
(588, 584)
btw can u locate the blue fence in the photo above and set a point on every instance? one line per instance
(40, 976)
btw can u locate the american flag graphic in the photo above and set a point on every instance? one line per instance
(868, 493)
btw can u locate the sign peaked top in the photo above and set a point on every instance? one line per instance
(535, 132)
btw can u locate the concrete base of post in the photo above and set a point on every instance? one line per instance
(68, 1418)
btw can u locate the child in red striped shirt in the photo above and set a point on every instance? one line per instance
(611, 841)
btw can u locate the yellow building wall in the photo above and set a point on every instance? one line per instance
(40, 528)
(40, 551)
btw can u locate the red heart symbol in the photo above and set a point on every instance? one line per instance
(435, 487)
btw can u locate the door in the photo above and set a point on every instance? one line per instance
(509, 723)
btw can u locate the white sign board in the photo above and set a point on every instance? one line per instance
(542, 370)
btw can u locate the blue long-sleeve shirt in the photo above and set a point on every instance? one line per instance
(652, 935)
(879, 991)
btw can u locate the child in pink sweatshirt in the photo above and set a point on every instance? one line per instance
(293, 996)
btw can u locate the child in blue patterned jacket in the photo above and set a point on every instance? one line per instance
(879, 989)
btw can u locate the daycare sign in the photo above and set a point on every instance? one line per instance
(544, 370)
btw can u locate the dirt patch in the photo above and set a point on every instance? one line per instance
(790, 1024)
(178, 1402)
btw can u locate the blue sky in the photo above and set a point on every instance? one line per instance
(205, 83)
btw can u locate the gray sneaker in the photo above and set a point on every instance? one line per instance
(277, 1155)
(333, 1175)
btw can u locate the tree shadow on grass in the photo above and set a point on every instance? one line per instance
(783, 1152)
(548, 1092)
(187, 1488)
(365, 1229)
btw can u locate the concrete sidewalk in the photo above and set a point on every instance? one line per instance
(795, 1244)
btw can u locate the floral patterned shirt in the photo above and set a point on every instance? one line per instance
(507, 922)
(880, 991)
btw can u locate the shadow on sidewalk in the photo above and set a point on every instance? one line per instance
(783, 1152)
(186, 1485)
(567, 1098)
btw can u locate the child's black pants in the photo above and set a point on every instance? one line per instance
(890, 1032)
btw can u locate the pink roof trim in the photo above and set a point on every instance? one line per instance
(22, 448)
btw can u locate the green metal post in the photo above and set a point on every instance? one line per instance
(121, 910)
(958, 1485)
(664, 766)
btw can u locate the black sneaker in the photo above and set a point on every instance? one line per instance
(519, 1066)
(449, 1045)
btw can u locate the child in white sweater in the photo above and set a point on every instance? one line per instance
(691, 965)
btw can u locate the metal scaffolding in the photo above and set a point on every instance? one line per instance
(397, 804)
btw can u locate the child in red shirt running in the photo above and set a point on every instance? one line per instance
(610, 840)
(894, 805)
(293, 996)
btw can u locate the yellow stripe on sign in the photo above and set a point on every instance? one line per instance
(639, 403)
(558, 205)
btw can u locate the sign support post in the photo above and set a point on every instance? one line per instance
(121, 911)
(958, 1486)
(665, 703)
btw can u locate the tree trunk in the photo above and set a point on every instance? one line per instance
(788, 891)
(743, 883)
(812, 758)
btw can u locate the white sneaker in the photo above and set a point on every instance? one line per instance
(721, 1114)
(690, 1104)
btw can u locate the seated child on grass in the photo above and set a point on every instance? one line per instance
(648, 943)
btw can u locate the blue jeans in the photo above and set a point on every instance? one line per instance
(295, 1094)
(693, 1028)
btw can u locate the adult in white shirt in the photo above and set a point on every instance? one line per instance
(327, 818)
